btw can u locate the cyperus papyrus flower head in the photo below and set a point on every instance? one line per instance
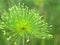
(23, 21)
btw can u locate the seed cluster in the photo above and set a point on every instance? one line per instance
(20, 21)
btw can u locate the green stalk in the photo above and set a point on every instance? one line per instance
(23, 40)
(42, 42)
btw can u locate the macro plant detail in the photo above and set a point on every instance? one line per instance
(21, 21)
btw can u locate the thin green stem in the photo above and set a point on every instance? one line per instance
(42, 42)
(23, 40)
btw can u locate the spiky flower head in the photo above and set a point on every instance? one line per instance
(22, 20)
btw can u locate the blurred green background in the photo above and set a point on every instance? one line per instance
(50, 9)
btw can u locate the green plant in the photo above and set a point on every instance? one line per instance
(21, 22)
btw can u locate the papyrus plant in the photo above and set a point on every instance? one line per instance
(20, 21)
